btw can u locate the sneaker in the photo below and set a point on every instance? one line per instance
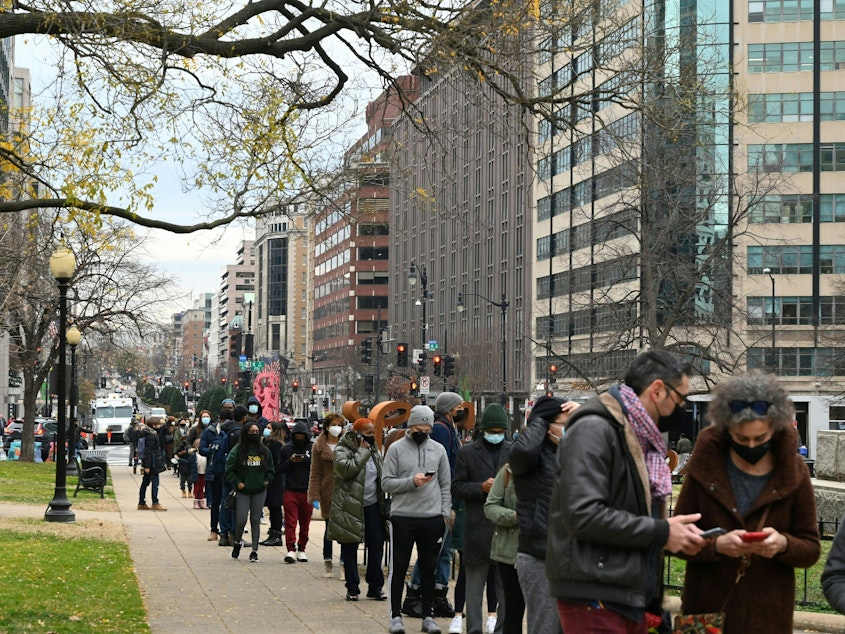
(143, 506)
(457, 625)
(253, 556)
(236, 549)
(376, 595)
(491, 625)
(224, 540)
(328, 572)
(351, 597)
(301, 556)
(290, 557)
(158, 507)
(429, 626)
(396, 626)
(262, 520)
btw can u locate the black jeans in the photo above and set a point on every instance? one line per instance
(374, 541)
(427, 533)
(215, 486)
(514, 601)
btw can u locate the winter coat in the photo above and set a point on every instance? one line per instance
(533, 464)
(602, 534)
(763, 601)
(151, 450)
(346, 522)
(444, 432)
(184, 463)
(321, 478)
(211, 441)
(477, 462)
(500, 508)
(403, 460)
(276, 490)
(297, 473)
(255, 472)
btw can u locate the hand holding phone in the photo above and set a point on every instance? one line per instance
(753, 536)
(428, 474)
(713, 533)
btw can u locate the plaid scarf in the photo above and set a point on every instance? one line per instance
(652, 443)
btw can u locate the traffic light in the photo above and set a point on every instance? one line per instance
(249, 348)
(103, 382)
(422, 361)
(223, 381)
(235, 345)
(367, 351)
(448, 365)
(313, 390)
(194, 385)
(553, 374)
(369, 384)
(187, 385)
(402, 355)
(325, 403)
(437, 361)
(295, 386)
(415, 388)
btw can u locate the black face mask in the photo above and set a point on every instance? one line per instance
(674, 419)
(419, 436)
(370, 440)
(460, 416)
(751, 455)
(299, 440)
(252, 438)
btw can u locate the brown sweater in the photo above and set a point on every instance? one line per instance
(763, 601)
(321, 483)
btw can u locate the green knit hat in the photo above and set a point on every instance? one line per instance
(494, 416)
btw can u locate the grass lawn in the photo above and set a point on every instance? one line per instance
(68, 578)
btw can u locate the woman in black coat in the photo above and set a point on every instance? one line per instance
(274, 439)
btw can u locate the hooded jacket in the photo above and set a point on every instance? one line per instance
(257, 417)
(346, 525)
(404, 459)
(297, 473)
(211, 440)
(764, 599)
(256, 471)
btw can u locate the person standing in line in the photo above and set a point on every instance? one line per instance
(321, 478)
(532, 462)
(476, 467)
(746, 476)
(198, 465)
(296, 465)
(608, 501)
(417, 476)
(358, 508)
(151, 452)
(231, 429)
(132, 437)
(211, 441)
(274, 438)
(249, 469)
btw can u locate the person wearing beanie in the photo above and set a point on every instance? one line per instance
(476, 467)
(358, 507)
(532, 463)
(416, 474)
(448, 410)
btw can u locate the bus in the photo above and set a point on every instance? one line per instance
(112, 415)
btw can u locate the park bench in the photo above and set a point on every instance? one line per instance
(91, 477)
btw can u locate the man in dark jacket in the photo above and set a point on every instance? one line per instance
(253, 406)
(532, 462)
(296, 466)
(151, 452)
(476, 467)
(607, 524)
(231, 434)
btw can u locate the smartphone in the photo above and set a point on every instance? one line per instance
(713, 532)
(428, 474)
(753, 536)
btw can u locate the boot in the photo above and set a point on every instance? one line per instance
(184, 493)
(203, 504)
(412, 606)
(197, 504)
(442, 607)
(274, 538)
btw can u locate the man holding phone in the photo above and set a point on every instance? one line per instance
(416, 474)
(296, 465)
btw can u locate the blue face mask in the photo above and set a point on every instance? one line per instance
(266, 432)
(493, 439)
(206, 420)
(253, 409)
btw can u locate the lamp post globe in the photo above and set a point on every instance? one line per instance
(73, 337)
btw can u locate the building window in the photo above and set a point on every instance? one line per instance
(781, 260)
(781, 157)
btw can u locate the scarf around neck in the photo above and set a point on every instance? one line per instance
(651, 442)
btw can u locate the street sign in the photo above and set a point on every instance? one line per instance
(425, 384)
(433, 345)
(257, 366)
(243, 366)
(242, 358)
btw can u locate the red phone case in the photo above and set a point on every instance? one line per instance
(754, 536)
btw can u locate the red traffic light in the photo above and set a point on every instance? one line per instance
(401, 347)
(437, 358)
(553, 369)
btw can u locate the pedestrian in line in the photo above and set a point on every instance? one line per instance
(198, 465)
(448, 412)
(182, 455)
(500, 508)
(532, 462)
(746, 476)
(321, 478)
(249, 469)
(296, 465)
(358, 508)
(476, 467)
(833, 577)
(231, 435)
(274, 439)
(151, 452)
(211, 441)
(417, 476)
(132, 437)
(607, 520)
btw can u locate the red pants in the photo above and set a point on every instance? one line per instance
(297, 509)
(577, 618)
(199, 487)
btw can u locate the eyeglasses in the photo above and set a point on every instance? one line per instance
(683, 397)
(761, 408)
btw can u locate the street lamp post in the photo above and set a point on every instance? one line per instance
(412, 280)
(503, 306)
(62, 266)
(73, 337)
(774, 364)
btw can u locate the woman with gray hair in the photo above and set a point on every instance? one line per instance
(747, 478)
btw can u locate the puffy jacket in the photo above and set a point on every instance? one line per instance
(532, 461)
(477, 462)
(601, 530)
(500, 508)
(321, 478)
(211, 441)
(151, 450)
(346, 521)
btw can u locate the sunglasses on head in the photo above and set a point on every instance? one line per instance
(760, 408)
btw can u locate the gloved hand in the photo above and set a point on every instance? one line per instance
(316, 504)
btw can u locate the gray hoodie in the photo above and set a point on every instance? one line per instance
(403, 461)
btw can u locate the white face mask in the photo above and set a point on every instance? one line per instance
(335, 430)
